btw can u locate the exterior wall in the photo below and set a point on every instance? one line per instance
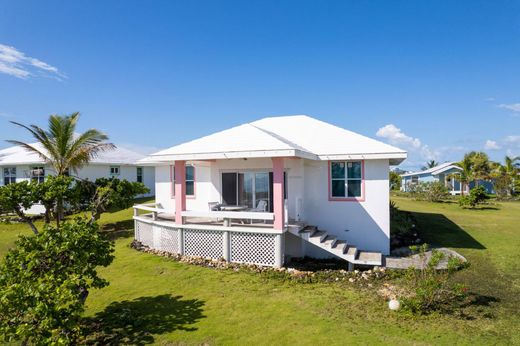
(422, 178)
(366, 224)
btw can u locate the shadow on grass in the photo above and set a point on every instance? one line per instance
(120, 229)
(134, 322)
(438, 230)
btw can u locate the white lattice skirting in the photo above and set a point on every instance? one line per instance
(253, 248)
(240, 247)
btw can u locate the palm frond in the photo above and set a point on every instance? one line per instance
(30, 148)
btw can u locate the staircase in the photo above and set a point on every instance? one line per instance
(338, 247)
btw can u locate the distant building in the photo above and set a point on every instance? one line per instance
(18, 164)
(444, 173)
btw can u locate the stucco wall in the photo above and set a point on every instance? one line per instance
(364, 224)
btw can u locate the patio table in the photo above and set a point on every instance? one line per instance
(233, 207)
(227, 221)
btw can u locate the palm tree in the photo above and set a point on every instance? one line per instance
(465, 176)
(511, 169)
(430, 164)
(481, 166)
(62, 149)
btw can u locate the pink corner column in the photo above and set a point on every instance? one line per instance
(180, 190)
(278, 200)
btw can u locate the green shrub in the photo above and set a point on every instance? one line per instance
(476, 196)
(45, 280)
(430, 288)
(429, 191)
(403, 231)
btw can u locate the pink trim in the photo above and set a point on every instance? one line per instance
(172, 189)
(348, 199)
(278, 199)
(180, 189)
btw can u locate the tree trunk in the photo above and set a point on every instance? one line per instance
(59, 211)
(26, 219)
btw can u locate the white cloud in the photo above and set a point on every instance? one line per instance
(515, 107)
(17, 64)
(397, 137)
(491, 145)
(513, 140)
(418, 153)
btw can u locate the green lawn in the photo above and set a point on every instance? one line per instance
(153, 299)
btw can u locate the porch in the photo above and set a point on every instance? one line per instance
(246, 237)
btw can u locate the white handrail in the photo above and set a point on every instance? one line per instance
(147, 207)
(250, 215)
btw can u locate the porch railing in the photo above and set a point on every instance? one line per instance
(226, 216)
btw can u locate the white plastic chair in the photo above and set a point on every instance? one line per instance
(261, 207)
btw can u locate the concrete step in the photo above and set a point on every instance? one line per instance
(369, 258)
(318, 235)
(329, 241)
(339, 247)
(351, 253)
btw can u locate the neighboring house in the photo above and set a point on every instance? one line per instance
(253, 192)
(445, 173)
(17, 164)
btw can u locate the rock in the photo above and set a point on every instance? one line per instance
(394, 304)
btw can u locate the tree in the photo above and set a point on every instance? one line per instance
(465, 176)
(481, 166)
(52, 190)
(430, 164)
(61, 148)
(45, 280)
(505, 176)
(395, 180)
(17, 198)
(105, 194)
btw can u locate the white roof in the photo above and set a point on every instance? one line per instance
(297, 135)
(443, 167)
(17, 155)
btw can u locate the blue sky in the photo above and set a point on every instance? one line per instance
(436, 78)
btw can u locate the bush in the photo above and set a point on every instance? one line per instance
(476, 196)
(430, 288)
(45, 280)
(395, 181)
(429, 191)
(402, 227)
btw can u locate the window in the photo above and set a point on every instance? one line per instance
(249, 187)
(38, 174)
(415, 179)
(346, 179)
(114, 170)
(9, 175)
(139, 174)
(190, 180)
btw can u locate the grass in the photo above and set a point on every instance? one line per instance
(155, 300)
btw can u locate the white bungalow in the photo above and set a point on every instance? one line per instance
(17, 164)
(274, 188)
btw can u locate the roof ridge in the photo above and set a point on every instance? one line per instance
(282, 139)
